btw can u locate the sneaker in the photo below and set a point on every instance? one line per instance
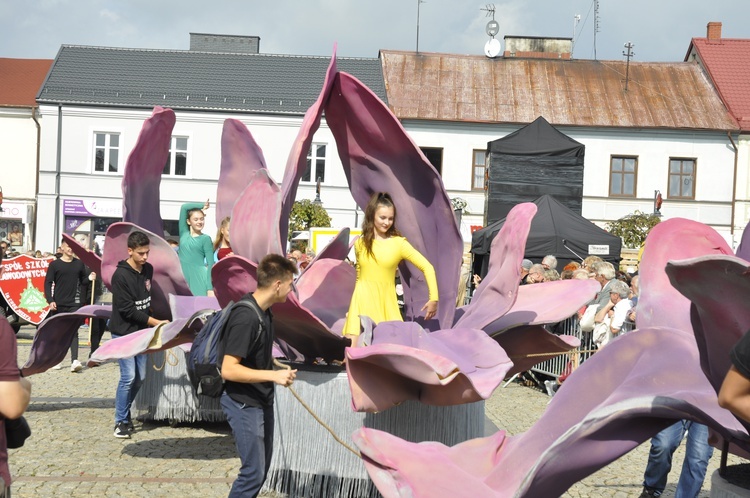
(550, 386)
(122, 431)
(76, 366)
(647, 493)
(58, 366)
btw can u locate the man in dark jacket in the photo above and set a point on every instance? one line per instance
(131, 311)
(247, 368)
(66, 282)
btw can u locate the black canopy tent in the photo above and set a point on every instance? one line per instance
(555, 230)
(532, 161)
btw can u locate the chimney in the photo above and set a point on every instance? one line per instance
(206, 42)
(713, 31)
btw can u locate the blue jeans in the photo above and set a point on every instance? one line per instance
(697, 454)
(132, 374)
(253, 435)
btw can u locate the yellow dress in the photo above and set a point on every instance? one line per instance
(375, 291)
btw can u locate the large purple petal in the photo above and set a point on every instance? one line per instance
(143, 170)
(255, 219)
(54, 336)
(549, 302)
(175, 333)
(241, 157)
(719, 288)
(743, 250)
(325, 289)
(305, 332)
(615, 401)
(529, 345)
(378, 155)
(296, 164)
(446, 367)
(87, 256)
(168, 278)
(294, 324)
(233, 277)
(659, 304)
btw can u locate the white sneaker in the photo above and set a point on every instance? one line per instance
(58, 366)
(76, 366)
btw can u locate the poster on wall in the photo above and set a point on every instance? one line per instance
(22, 286)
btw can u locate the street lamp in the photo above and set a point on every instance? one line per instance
(317, 194)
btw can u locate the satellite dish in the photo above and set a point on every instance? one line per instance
(492, 48)
(493, 28)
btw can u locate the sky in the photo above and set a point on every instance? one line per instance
(659, 29)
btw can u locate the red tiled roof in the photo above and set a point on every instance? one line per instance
(20, 80)
(727, 61)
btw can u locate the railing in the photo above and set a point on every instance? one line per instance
(554, 367)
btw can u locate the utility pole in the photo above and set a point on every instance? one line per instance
(576, 20)
(419, 2)
(628, 54)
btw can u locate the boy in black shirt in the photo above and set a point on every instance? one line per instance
(131, 303)
(71, 282)
(247, 368)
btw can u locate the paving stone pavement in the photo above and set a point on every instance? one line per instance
(72, 451)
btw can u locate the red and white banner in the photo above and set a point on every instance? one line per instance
(22, 286)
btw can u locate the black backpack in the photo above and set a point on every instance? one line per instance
(207, 352)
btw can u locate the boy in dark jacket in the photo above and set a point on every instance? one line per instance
(131, 311)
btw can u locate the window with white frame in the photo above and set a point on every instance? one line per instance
(681, 178)
(623, 175)
(478, 169)
(106, 152)
(316, 164)
(178, 157)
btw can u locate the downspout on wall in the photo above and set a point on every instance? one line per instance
(34, 110)
(734, 184)
(58, 167)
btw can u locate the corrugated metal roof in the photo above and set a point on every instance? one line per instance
(20, 80)
(470, 88)
(727, 61)
(196, 80)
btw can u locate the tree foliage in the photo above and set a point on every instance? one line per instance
(633, 228)
(306, 214)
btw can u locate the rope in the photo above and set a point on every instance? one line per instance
(173, 361)
(309, 410)
(556, 353)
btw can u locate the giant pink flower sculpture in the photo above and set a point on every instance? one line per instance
(619, 398)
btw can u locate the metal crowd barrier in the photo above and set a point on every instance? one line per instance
(554, 367)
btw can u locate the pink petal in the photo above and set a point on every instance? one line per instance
(255, 219)
(325, 289)
(447, 367)
(143, 170)
(522, 345)
(549, 302)
(659, 303)
(719, 288)
(233, 277)
(497, 291)
(379, 156)
(168, 278)
(241, 157)
(87, 256)
(54, 336)
(615, 401)
(296, 164)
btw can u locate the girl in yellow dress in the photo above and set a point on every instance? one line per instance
(379, 251)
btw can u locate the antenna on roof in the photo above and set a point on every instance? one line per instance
(492, 47)
(628, 54)
(596, 23)
(419, 2)
(576, 20)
